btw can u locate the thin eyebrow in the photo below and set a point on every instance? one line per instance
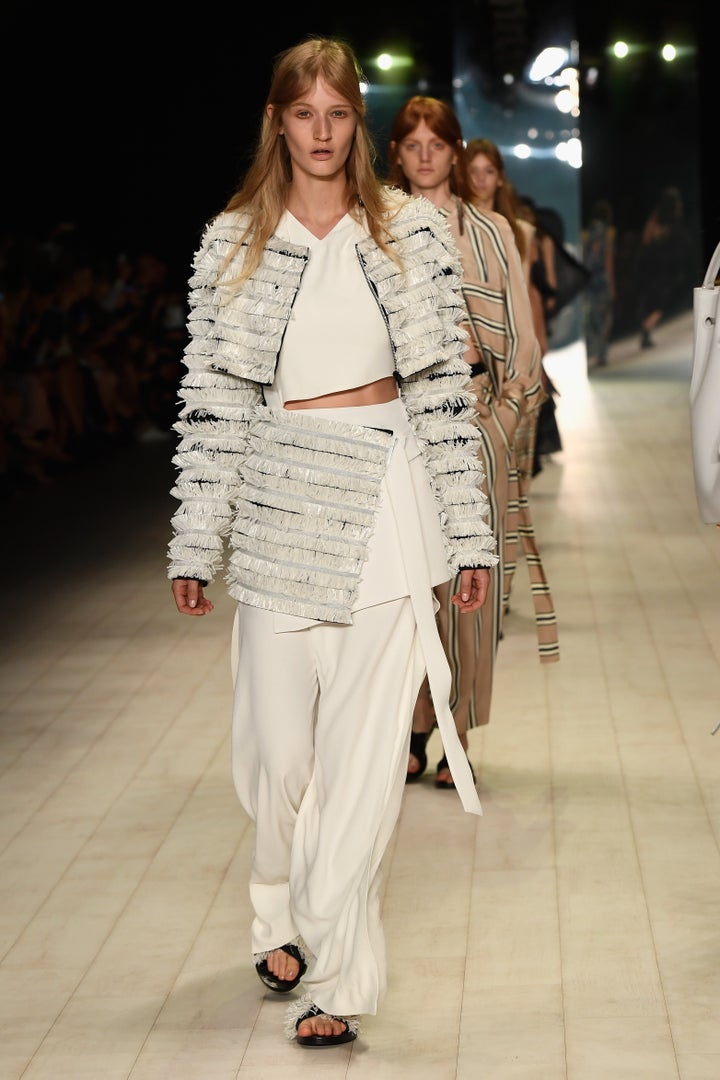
(307, 105)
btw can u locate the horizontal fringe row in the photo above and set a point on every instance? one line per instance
(271, 509)
(297, 581)
(270, 600)
(286, 553)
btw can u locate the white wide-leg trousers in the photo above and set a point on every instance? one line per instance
(321, 731)
(321, 726)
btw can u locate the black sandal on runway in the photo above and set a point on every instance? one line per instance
(280, 986)
(449, 785)
(304, 1009)
(418, 742)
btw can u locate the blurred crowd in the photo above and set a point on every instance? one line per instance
(91, 347)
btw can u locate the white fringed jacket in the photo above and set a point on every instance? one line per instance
(295, 494)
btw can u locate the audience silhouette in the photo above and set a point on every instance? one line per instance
(90, 352)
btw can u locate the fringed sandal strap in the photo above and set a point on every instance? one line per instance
(303, 1008)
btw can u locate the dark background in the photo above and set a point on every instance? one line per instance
(137, 125)
(136, 122)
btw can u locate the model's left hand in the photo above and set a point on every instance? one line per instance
(473, 589)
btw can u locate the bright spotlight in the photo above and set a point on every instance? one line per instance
(668, 52)
(570, 152)
(565, 101)
(547, 63)
(620, 49)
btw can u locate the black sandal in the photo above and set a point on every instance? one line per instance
(418, 742)
(449, 785)
(303, 1009)
(280, 986)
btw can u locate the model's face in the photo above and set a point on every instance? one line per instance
(484, 178)
(319, 131)
(425, 159)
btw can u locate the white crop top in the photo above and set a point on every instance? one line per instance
(336, 337)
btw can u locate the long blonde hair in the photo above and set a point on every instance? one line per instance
(263, 192)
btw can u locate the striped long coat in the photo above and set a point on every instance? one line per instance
(510, 393)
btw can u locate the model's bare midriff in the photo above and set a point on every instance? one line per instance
(374, 393)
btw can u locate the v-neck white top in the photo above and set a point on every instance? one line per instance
(336, 337)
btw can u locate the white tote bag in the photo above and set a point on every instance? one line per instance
(705, 393)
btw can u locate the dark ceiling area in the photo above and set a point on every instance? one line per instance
(138, 127)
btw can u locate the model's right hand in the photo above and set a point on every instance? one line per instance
(189, 597)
